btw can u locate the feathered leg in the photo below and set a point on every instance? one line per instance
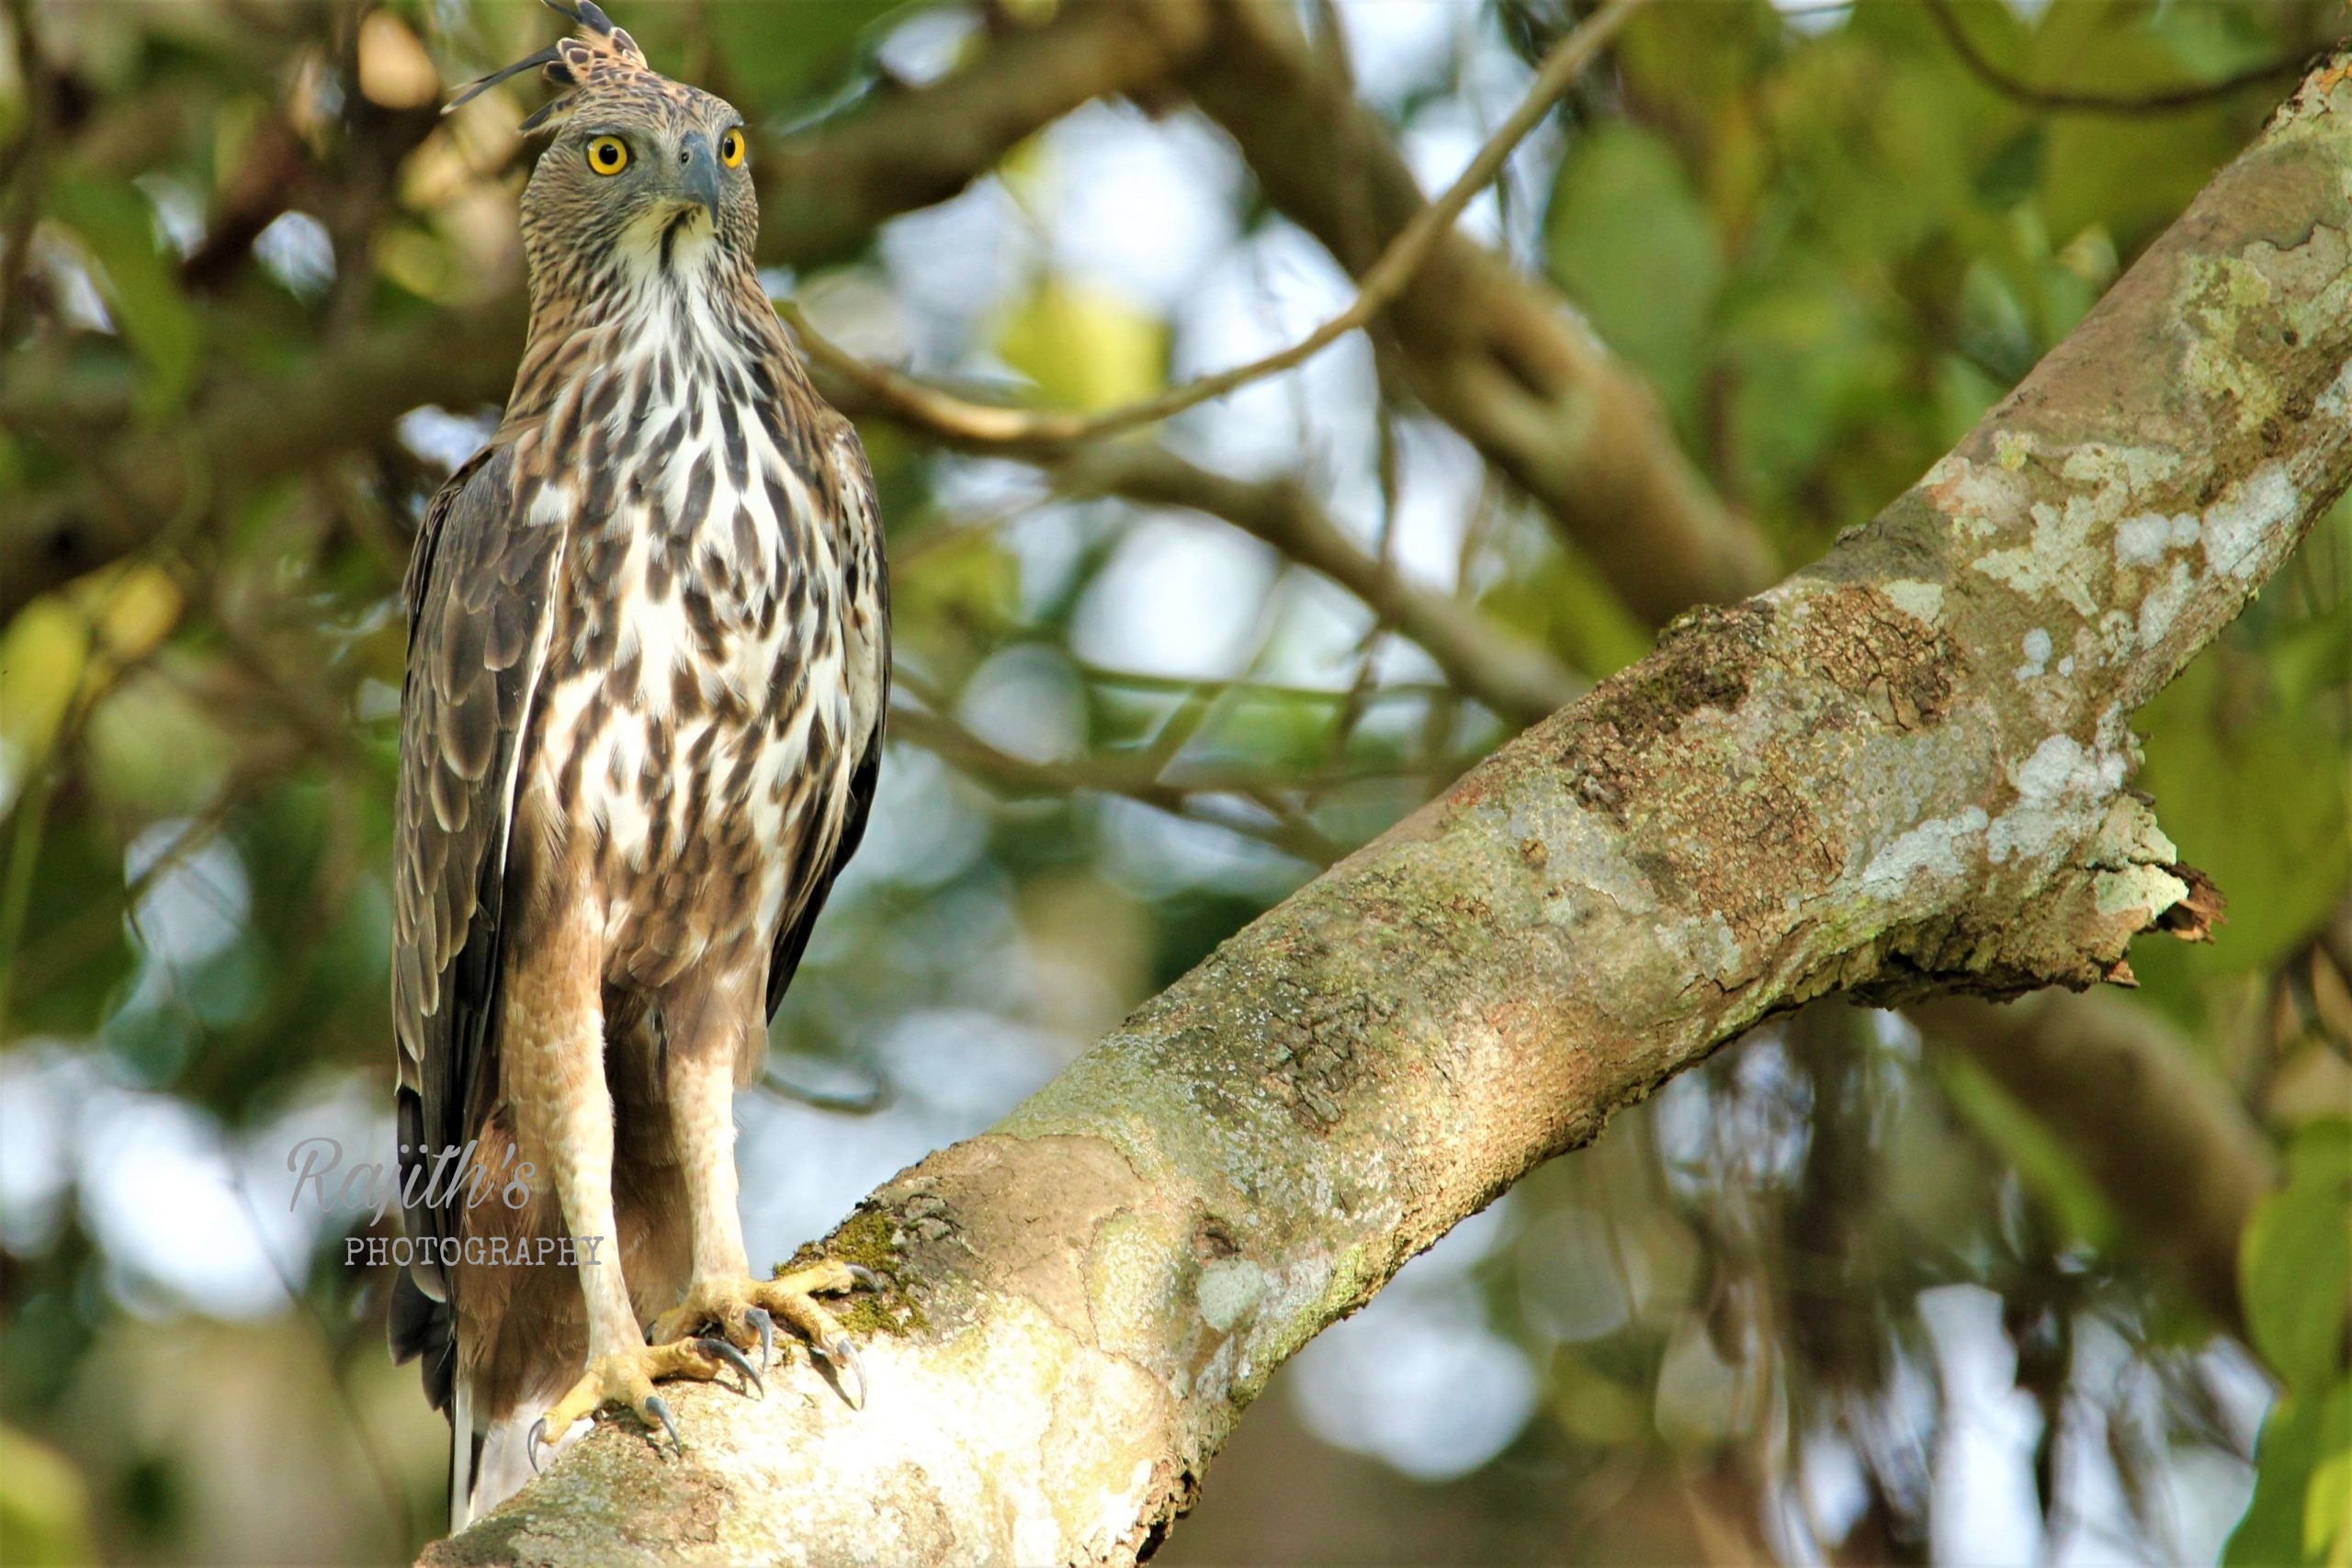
(702, 1118)
(553, 1062)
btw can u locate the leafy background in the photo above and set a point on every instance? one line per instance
(1834, 1296)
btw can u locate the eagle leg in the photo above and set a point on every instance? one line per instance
(746, 1310)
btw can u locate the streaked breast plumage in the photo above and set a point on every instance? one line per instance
(699, 697)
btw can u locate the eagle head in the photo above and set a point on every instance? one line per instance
(643, 173)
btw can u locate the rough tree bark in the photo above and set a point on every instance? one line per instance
(1903, 770)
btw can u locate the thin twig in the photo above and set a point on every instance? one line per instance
(2169, 100)
(1383, 604)
(1239, 686)
(978, 424)
(1141, 774)
(1518, 679)
(865, 1102)
(1289, 833)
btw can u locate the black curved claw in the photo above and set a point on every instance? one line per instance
(661, 1409)
(844, 1355)
(539, 1434)
(715, 1346)
(865, 1276)
(758, 1318)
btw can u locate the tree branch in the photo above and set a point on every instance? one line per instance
(1842, 784)
(981, 426)
(823, 193)
(1515, 678)
(1139, 779)
(1493, 352)
(2169, 100)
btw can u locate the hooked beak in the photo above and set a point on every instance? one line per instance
(698, 175)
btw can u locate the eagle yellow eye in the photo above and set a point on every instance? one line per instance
(608, 155)
(730, 149)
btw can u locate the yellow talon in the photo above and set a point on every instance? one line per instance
(746, 1310)
(627, 1377)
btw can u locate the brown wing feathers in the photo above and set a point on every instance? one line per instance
(479, 594)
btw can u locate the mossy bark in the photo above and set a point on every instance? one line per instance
(1905, 770)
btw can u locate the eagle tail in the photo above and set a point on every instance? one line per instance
(465, 1448)
(501, 1456)
(425, 1327)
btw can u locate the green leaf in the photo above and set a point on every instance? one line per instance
(2014, 171)
(1565, 605)
(1694, 57)
(2130, 173)
(71, 955)
(960, 596)
(2302, 1466)
(2328, 1499)
(1878, 148)
(2310, 657)
(2296, 1270)
(2253, 793)
(2042, 1161)
(139, 283)
(782, 54)
(1084, 348)
(44, 1504)
(1814, 385)
(1628, 238)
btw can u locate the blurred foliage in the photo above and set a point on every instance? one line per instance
(1082, 348)
(44, 1515)
(2297, 1285)
(1744, 1319)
